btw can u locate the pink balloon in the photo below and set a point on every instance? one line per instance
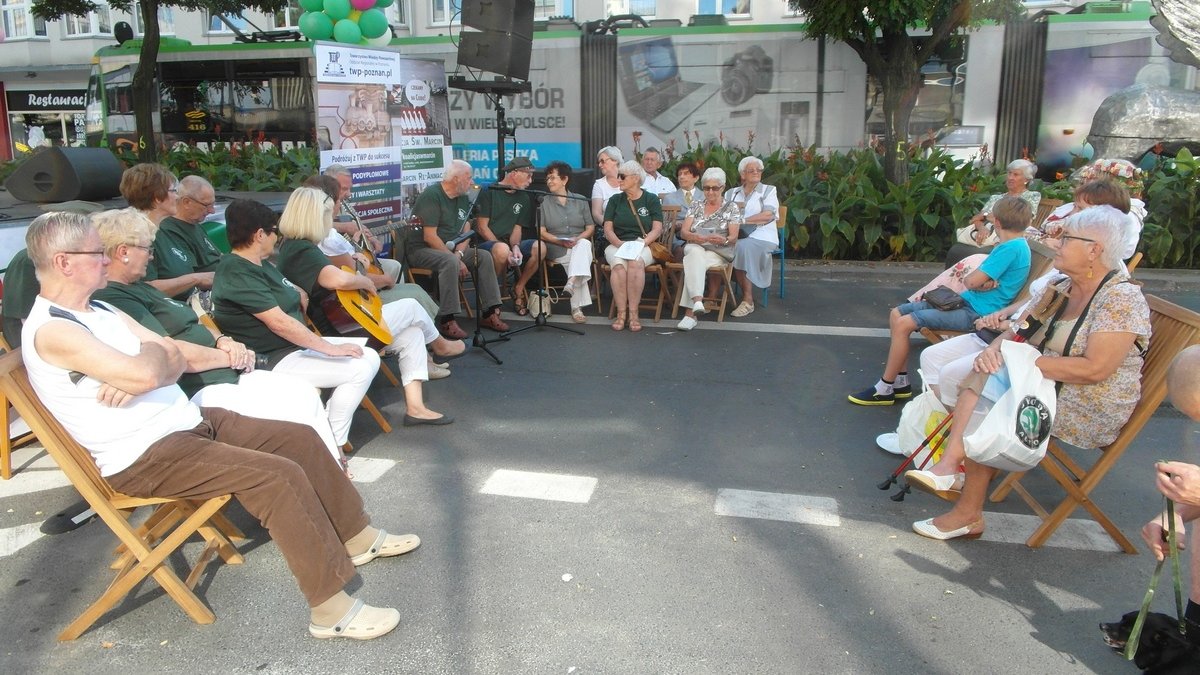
(362, 4)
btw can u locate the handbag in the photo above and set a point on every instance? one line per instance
(541, 301)
(944, 298)
(918, 420)
(966, 235)
(1013, 432)
(658, 250)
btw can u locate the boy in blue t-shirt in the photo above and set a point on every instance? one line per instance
(993, 285)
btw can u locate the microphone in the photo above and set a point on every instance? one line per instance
(459, 239)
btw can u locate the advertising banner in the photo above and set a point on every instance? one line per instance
(387, 118)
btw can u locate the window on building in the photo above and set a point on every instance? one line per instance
(166, 20)
(216, 25)
(643, 8)
(726, 7)
(287, 17)
(397, 13)
(544, 9)
(92, 23)
(445, 11)
(18, 20)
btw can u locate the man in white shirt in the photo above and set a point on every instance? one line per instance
(655, 182)
(348, 222)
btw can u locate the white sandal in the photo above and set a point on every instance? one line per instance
(386, 546)
(743, 309)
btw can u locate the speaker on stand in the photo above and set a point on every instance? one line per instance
(504, 40)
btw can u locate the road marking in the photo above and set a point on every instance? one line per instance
(369, 469)
(777, 506)
(667, 326)
(1076, 533)
(13, 539)
(530, 485)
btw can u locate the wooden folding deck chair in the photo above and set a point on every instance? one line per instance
(144, 549)
(1173, 328)
(9, 443)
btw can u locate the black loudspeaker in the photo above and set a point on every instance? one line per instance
(506, 40)
(505, 16)
(65, 174)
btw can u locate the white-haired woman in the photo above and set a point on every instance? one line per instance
(752, 256)
(1092, 346)
(607, 185)
(306, 221)
(633, 215)
(709, 233)
(978, 237)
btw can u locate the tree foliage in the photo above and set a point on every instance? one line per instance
(143, 89)
(878, 31)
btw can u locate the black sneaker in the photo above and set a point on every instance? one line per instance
(902, 392)
(869, 396)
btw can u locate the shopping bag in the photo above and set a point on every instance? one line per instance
(1017, 409)
(918, 419)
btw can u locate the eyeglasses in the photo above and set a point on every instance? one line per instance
(206, 205)
(1071, 236)
(174, 189)
(100, 253)
(620, 176)
(711, 188)
(751, 169)
(270, 230)
(147, 249)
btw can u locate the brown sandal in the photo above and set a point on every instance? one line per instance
(619, 323)
(634, 324)
(521, 302)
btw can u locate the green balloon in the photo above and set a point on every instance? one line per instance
(313, 5)
(337, 9)
(373, 23)
(346, 31)
(316, 26)
(384, 3)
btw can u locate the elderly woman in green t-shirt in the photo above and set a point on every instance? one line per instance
(632, 215)
(220, 370)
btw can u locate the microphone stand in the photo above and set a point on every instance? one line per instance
(478, 339)
(542, 318)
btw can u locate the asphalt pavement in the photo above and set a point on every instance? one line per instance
(662, 502)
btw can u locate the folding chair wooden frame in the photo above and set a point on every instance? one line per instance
(7, 443)
(144, 549)
(1173, 329)
(719, 302)
(414, 272)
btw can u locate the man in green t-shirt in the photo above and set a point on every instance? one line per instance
(443, 210)
(184, 257)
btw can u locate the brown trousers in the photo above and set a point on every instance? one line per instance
(281, 473)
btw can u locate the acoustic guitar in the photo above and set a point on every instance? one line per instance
(357, 313)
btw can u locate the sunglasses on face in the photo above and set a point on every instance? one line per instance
(620, 176)
(711, 188)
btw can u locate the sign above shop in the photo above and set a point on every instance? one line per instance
(45, 100)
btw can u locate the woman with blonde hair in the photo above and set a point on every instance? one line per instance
(306, 220)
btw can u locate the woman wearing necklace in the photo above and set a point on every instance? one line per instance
(709, 232)
(752, 263)
(1092, 346)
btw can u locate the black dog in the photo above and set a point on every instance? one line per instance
(1162, 649)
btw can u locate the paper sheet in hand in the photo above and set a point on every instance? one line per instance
(630, 250)
(337, 340)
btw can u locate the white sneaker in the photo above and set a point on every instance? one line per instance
(687, 323)
(699, 307)
(438, 373)
(889, 442)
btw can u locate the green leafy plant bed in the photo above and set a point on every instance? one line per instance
(840, 206)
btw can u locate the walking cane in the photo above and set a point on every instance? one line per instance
(894, 478)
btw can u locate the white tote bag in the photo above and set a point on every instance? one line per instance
(918, 419)
(1015, 431)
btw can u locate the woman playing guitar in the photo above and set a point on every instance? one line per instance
(306, 220)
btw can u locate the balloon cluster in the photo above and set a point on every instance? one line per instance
(351, 22)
